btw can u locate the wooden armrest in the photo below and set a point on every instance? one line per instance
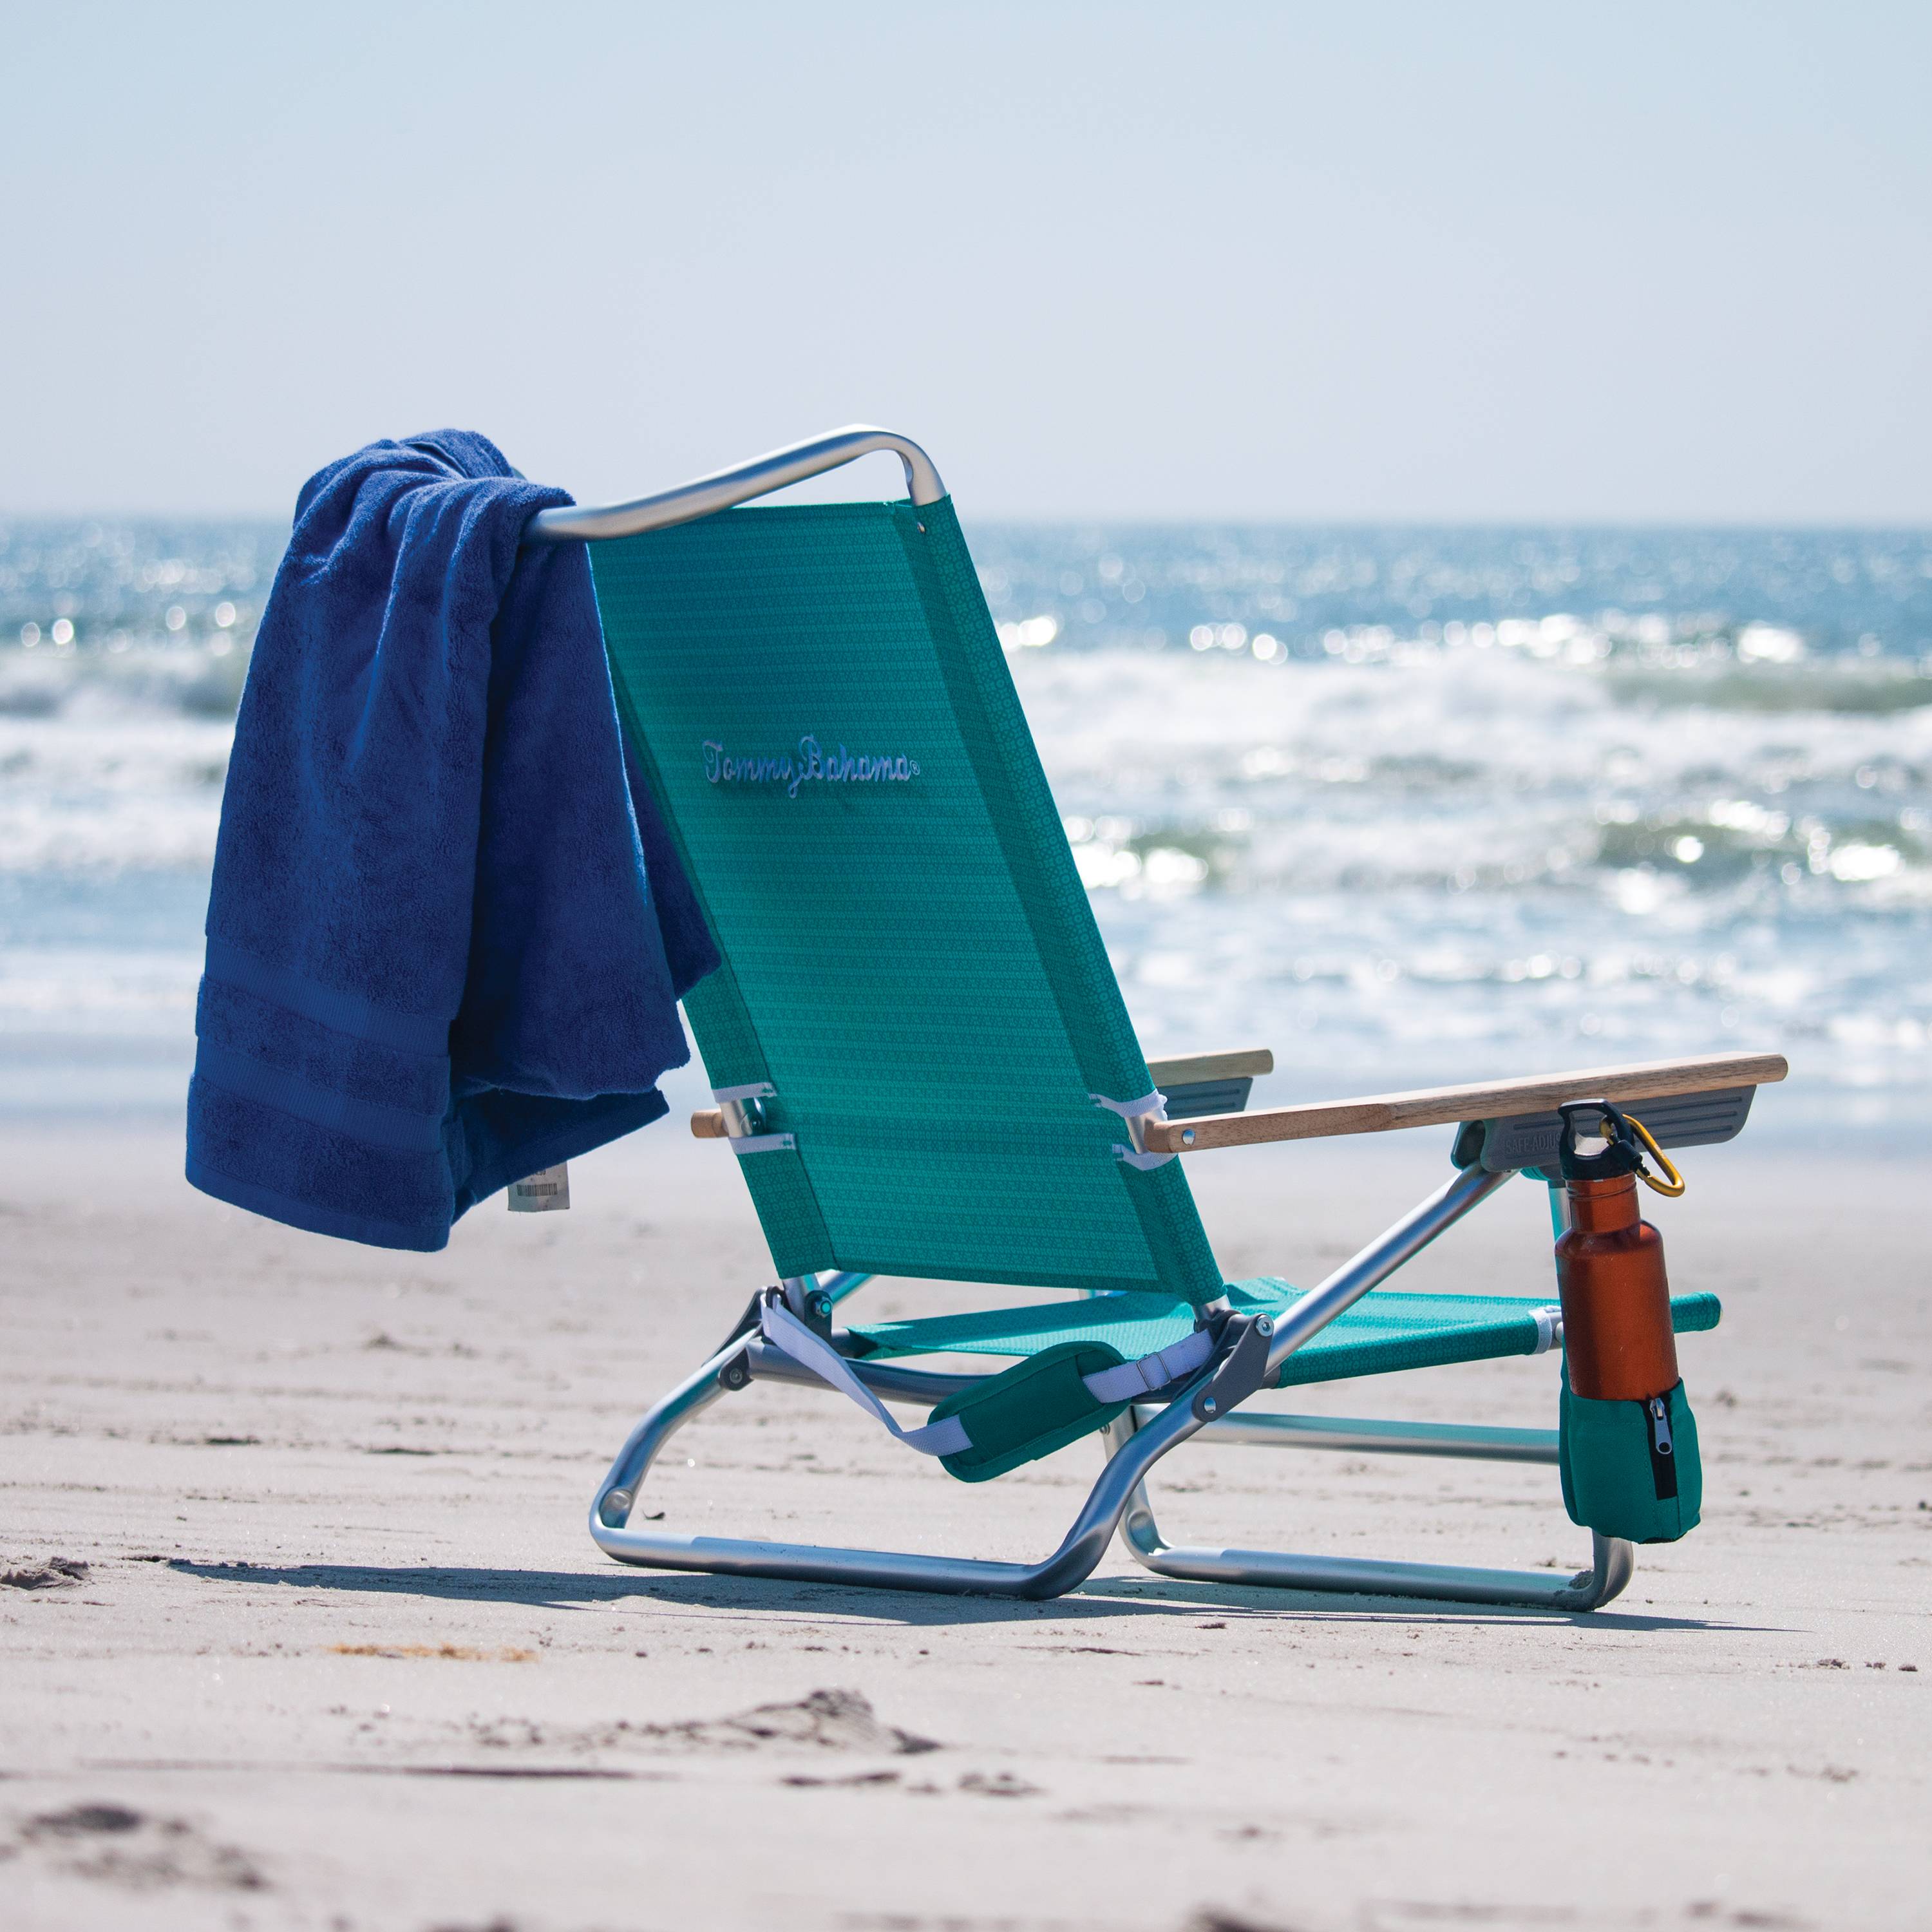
(708, 1124)
(1191, 1068)
(1445, 1106)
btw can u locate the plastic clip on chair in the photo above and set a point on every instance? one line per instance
(923, 1063)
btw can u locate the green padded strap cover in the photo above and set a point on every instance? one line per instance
(1034, 1408)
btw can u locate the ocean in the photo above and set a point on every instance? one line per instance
(1408, 805)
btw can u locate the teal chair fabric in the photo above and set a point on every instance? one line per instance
(818, 701)
(1383, 1332)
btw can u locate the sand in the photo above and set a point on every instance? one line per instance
(301, 1626)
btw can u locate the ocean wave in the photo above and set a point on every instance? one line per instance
(157, 678)
(1309, 590)
(1857, 686)
(110, 793)
(1684, 802)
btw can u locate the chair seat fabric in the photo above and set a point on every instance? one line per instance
(1384, 1331)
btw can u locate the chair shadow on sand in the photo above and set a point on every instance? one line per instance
(563, 1589)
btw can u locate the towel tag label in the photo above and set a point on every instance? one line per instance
(542, 1192)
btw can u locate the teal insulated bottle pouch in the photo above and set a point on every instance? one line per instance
(1630, 1469)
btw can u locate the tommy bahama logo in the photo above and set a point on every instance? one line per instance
(809, 764)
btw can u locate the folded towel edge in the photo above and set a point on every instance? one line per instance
(621, 1114)
(427, 1238)
(349, 1013)
(398, 1129)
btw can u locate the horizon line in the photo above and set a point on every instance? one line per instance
(1898, 527)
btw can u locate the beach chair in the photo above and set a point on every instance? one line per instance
(922, 1064)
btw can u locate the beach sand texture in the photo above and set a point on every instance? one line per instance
(301, 1626)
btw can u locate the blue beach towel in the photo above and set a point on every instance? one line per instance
(448, 930)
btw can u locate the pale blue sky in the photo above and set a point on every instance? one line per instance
(1628, 263)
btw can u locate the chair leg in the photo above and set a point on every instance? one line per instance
(1081, 1549)
(1134, 1441)
(1613, 1561)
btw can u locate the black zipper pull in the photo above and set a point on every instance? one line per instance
(1663, 1461)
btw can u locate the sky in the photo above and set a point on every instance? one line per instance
(1485, 262)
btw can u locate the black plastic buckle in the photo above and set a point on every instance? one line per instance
(737, 1373)
(1241, 1367)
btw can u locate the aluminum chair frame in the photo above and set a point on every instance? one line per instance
(1138, 1439)
(1134, 1441)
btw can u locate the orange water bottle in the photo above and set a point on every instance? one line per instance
(1617, 1336)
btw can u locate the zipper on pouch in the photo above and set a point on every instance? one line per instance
(1663, 1460)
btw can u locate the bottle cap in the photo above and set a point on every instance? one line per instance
(1619, 1154)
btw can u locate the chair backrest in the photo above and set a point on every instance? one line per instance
(820, 703)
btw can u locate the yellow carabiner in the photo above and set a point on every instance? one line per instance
(1671, 1187)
